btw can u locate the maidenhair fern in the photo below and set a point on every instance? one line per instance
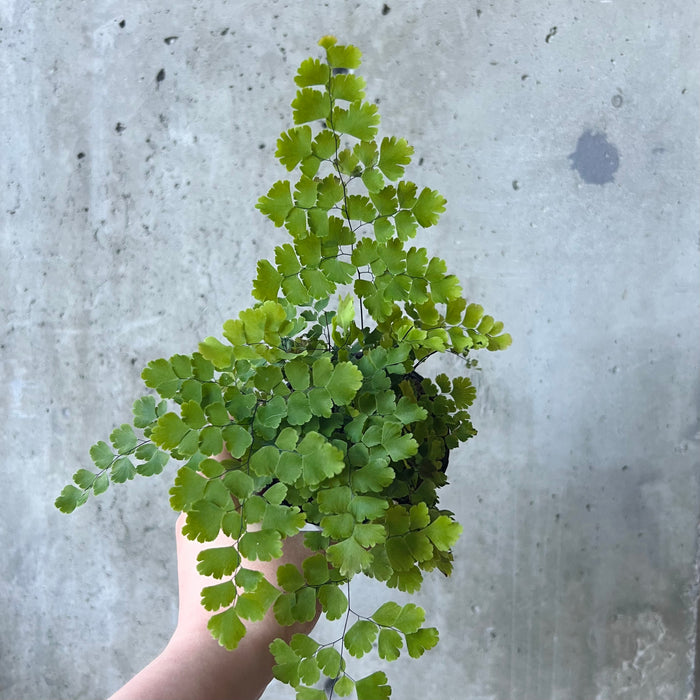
(314, 396)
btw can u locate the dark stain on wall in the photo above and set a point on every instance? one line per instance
(595, 159)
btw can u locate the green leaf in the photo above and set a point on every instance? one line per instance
(387, 614)
(324, 144)
(239, 483)
(263, 461)
(366, 152)
(267, 377)
(102, 455)
(443, 532)
(270, 414)
(394, 155)
(315, 570)
(344, 56)
(472, 315)
(407, 194)
(286, 520)
(374, 476)
(84, 478)
(286, 662)
(360, 120)
(463, 392)
(211, 441)
(345, 314)
(253, 605)
(287, 440)
(216, 352)
(399, 446)
(298, 409)
(320, 459)
(169, 431)
(360, 637)
(70, 498)
(338, 271)
(360, 208)
(218, 595)
(500, 342)
(231, 524)
(305, 193)
(238, 439)
(193, 415)
(373, 687)
(304, 608)
(303, 645)
(267, 282)
(277, 203)
(428, 208)
(218, 561)
(348, 86)
(286, 260)
(385, 201)
(373, 180)
(159, 375)
(369, 535)
(248, 579)
(317, 283)
(344, 382)
(203, 521)
(124, 439)
(289, 467)
(410, 618)
(320, 402)
(297, 373)
(421, 640)
(312, 72)
(101, 484)
(367, 508)
(330, 662)
(122, 470)
(310, 105)
(334, 602)
(406, 225)
(416, 261)
(188, 488)
(263, 545)
(289, 578)
(348, 556)
(227, 628)
(446, 289)
(295, 291)
(339, 526)
(408, 411)
(293, 146)
(397, 520)
(419, 516)
(389, 644)
(383, 230)
(344, 686)
(144, 411)
(399, 554)
(306, 693)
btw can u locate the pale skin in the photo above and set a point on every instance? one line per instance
(193, 666)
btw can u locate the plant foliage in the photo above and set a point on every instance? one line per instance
(313, 394)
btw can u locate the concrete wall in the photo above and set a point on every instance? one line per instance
(564, 136)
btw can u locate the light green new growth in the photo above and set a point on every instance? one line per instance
(315, 397)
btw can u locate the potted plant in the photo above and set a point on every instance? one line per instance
(315, 398)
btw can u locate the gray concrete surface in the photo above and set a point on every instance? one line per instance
(564, 136)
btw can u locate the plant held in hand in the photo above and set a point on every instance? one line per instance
(314, 395)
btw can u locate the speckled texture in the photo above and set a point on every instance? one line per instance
(135, 140)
